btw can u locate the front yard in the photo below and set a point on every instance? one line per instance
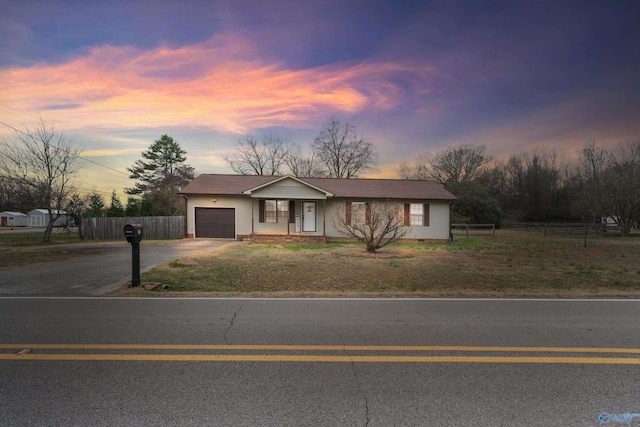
(518, 264)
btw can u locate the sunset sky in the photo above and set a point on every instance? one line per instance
(413, 76)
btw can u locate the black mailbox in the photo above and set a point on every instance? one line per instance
(133, 233)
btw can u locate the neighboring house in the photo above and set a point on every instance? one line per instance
(40, 218)
(13, 219)
(279, 209)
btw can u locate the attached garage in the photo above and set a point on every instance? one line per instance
(215, 223)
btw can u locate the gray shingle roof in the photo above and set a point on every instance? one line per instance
(211, 184)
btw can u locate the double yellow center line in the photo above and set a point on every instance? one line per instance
(318, 353)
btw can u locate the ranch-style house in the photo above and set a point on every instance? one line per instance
(286, 209)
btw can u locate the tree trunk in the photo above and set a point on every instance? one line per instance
(47, 231)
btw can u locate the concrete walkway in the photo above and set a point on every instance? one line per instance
(95, 275)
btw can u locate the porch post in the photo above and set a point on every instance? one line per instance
(253, 206)
(324, 217)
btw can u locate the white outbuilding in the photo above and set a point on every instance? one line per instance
(13, 219)
(40, 218)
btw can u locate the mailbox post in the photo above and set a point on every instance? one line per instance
(133, 233)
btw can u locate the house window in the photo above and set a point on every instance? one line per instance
(358, 213)
(283, 211)
(270, 211)
(416, 214)
(276, 211)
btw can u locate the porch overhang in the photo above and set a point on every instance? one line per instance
(296, 191)
(287, 196)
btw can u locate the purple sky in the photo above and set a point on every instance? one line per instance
(412, 76)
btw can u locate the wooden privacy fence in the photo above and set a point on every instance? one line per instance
(154, 227)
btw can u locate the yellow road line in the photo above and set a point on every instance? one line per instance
(321, 359)
(319, 348)
(25, 353)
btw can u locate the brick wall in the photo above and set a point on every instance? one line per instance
(284, 238)
(353, 240)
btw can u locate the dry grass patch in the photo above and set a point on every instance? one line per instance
(509, 264)
(21, 249)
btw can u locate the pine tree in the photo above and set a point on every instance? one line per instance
(96, 205)
(159, 176)
(116, 209)
(164, 159)
(133, 207)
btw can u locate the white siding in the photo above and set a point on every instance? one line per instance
(288, 189)
(40, 218)
(17, 219)
(242, 205)
(438, 229)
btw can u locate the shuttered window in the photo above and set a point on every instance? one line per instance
(416, 214)
(358, 213)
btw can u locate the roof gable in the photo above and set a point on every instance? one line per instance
(288, 187)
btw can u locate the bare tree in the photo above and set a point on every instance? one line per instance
(15, 196)
(621, 182)
(592, 161)
(77, 210)
(418, 169)
(534, 185)
(301, 165)
(45, 161)
(588, 191)
(377, 225)
(460, 163)
(342, 152)
(259, 157)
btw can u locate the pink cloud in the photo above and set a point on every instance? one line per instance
(218, 84)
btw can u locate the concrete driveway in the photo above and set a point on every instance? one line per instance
(95, 275)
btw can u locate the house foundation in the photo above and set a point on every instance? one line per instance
(282, 239)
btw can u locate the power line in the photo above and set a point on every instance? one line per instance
(66, 151)
(93, 190)
(24, 113)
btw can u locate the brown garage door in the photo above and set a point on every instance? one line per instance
(216, 222)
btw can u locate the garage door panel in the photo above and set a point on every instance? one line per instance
(216, 222)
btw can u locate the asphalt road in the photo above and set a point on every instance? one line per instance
(95, 275)
(251, 362)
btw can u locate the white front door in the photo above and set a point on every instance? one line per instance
(308, 216)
